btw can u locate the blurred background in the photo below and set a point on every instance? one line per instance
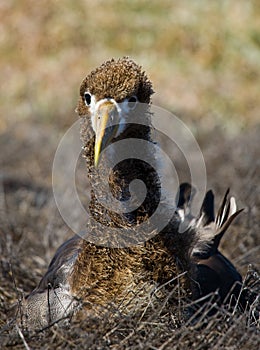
(203, 56)
(204, 60)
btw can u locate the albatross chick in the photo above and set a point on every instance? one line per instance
(114, 106)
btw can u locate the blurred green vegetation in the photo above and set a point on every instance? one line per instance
(202, 56)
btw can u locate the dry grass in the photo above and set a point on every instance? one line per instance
(204, 59)
(31, 230)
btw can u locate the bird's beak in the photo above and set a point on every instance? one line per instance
(105, 130)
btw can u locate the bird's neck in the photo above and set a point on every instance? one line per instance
(136, 161)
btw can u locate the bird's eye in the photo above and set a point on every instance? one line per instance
(132, 101)
(87, 98)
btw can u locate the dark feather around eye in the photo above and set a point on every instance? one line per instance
(132, 102)
(87, 98)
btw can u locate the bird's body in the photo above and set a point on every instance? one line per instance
(98, 274)
(102, 267)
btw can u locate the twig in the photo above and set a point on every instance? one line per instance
(22, 337)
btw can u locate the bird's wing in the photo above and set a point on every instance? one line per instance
(209, 230)
(212, 228)
(212, 270)
(60, 265)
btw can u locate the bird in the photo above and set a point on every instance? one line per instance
(213, 273)
(99, 267)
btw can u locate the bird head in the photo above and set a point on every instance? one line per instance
(109, 95)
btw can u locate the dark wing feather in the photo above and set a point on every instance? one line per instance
(212, 271)
(207, 209)
(226, 214)
(62, 262)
